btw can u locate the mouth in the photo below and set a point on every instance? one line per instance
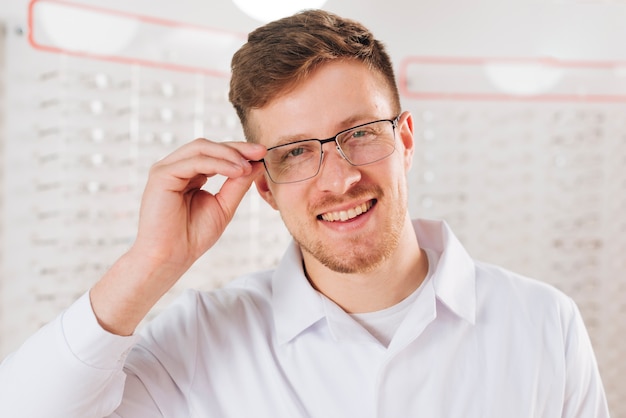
(346, 215)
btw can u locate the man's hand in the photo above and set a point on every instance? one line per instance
(178, 222)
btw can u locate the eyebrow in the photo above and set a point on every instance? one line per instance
(288, 139)
(346, 123)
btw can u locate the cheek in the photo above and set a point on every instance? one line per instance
(400, 169)
(289, 200)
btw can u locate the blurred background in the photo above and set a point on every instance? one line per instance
(520, 121)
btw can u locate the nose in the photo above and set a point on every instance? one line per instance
(336, 174)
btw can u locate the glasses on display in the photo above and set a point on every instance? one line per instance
(359, 145)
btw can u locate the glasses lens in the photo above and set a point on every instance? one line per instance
(368, 143)
(360, 145)
(294, 162)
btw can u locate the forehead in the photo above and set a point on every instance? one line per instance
(338, 95)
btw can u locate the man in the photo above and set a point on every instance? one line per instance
(367, 315)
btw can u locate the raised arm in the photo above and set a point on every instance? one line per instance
(73, 366)
(178, 223)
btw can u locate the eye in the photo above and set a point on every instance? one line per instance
(298, 151)
(295, 152)
(365, 132)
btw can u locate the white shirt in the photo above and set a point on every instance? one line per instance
(477, 342)
(384, 323)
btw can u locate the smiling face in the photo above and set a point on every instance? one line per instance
(348, 219)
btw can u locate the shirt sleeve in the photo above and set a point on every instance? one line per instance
(584, 392)
(70, 368)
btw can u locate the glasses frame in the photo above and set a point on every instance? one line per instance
(394, 125)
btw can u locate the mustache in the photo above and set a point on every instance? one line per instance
(358, 192)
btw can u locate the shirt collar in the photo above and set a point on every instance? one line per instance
(297, 305)
(454, 278)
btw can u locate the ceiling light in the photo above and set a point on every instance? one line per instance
(83, 30)
(268, 10)
(523, 79)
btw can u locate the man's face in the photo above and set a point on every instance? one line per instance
(337, 96)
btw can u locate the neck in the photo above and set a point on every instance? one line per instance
(386, 285)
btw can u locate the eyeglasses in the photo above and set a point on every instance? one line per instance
(359, 145)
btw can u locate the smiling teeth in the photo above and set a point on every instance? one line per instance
(345, 215)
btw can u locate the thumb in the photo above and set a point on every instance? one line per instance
(234, 189)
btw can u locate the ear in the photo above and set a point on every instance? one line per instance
(263, 187)
(405, 129)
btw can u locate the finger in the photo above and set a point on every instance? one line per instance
(249, 150)
(177, 175)
(232, 151)
(234, 189)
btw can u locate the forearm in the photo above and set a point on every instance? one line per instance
(178, 222)
(71, 367)
(127, 292)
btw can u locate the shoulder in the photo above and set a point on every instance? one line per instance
(522, 296)
(247, 298)
(243, 295)
(196, 316)
(246, 295)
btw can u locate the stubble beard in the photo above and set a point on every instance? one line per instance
(363, 253)
(361, 257)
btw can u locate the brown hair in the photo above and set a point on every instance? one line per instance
(280, 54)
